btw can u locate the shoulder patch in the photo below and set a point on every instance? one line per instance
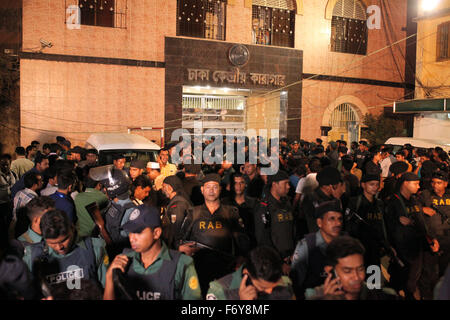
(193, 283)
(264, 203)
(173, 206)
(106, 260)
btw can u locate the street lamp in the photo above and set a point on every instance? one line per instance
(429, 5)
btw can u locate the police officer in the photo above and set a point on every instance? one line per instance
(274, 218)
(361, 154)
(436, 206)
(329, 179)
(365, 220)
(309, 257)
(259, 278)
(35, 210)
(151, 270)
(137, 168)
(245, 204)
(409, 236)
(62, 257)
(213, 234)
(390, 183)
(176, 209)
(117, 185)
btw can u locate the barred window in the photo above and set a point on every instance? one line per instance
(201, 18)
(443, 40)
(349, 27)
(273, 22)
(97, 12)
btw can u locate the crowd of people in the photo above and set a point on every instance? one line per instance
(74, 229)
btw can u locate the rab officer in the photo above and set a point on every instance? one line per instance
(61, 257)
(274, 219)
(151, 270)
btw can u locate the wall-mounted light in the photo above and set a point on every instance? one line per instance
(429, 5)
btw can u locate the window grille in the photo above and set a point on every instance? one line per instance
(273, 22)
(349, 27)
(201, 18)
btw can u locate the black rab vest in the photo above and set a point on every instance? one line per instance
(156, 286)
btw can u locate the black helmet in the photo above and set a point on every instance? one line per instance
(115, 181)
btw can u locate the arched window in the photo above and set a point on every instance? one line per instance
(349, 27)
(201, 18)
(273, 22)
(344, 123)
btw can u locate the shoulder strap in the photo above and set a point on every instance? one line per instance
(310, 239)
(358, 202)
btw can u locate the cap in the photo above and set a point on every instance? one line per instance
(279, 176)
(153, 165)
(324, 207)
(295, 142)
(317, 151)
(333, 144)
(174, 182)
(441, 175)
(60, 139)
(328, 176)
(142, 217)
(398, 167)
(140, 164)
(364, 143)
(370, 177)
(117, 156)
(66, 143)
(211, 177)
(92, 151)
(409, 176)
(77, 149)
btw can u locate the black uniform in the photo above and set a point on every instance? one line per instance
(409, 242)
(360, 157)
(439, 224)
(308, 205)
(372, 233)
(176, 211)
(274, 225)
(222, 234)
(254, 187)
(247, 213)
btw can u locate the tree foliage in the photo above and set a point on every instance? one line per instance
(380, 128)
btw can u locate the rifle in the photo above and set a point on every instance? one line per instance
(94, 212)
(349, 214)
(119, 283)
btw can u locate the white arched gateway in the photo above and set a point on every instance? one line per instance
(344, 123)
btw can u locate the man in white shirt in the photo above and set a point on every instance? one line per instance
(387, 160)
(308, 183)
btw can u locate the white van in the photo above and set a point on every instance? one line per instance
(398, 142)
(132, 146)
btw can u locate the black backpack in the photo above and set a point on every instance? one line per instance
(113, 218)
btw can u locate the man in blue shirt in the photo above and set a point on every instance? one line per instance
(62, 198)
